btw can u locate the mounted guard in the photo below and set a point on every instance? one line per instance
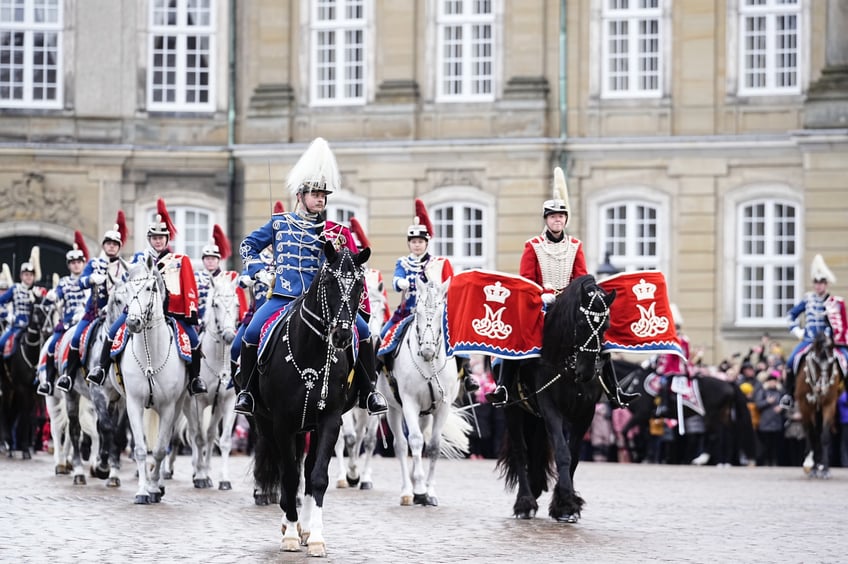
(22, 295)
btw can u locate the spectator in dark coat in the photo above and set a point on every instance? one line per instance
(770, 431)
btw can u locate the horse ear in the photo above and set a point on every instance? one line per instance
(610, 298)
(149, 262)
(330, 251)
(363, 256)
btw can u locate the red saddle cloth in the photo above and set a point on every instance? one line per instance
(182, 341)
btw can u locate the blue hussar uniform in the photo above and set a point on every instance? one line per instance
(73, 298)
(22, 298)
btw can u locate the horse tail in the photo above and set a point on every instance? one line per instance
(455, 433)
(538, 458)
(267, 471)
(744, 424)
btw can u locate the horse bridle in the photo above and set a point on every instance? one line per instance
(596, 321)
(136, 285)
(327, 320)
(825, 375)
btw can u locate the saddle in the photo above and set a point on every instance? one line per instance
(181, 341)
(394, 337)
(683, 386)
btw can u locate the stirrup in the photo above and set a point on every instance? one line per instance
(45, 389)
(376, 404)
(498, 397)
(244, 403)
(64, 383)
(197, 386)
(97, 376)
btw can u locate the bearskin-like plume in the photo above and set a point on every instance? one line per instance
(35, 261)
(6, 277)
(820, 271)
(79, 243)
(279, 207)
(315, 170)
(221, 242)
(423, 217)
(359, 233)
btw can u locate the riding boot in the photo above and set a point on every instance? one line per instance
(366, 378)
(97, 376)
(244, 402)
(789, 386)
(46, 388)
(617, 397)
(464, 369)
(195, 384)
(499, 396)
(234, 368)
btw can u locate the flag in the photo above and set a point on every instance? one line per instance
(493, 313)
(640, 317)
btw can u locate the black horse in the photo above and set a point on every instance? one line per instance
(18, 380)
(559, 393)
(726, 415)
(302, 387)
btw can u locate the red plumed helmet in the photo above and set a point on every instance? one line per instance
(162, 225)
(359, 233)
(118, 233)
(279, 207)
(220, 245)
(421, 227)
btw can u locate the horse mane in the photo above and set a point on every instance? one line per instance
(558, 339)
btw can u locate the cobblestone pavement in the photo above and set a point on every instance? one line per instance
(634, 513)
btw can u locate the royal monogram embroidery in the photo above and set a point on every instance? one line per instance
(650, 324)
(492, 326)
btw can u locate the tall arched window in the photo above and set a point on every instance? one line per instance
(462, 217)
(194, 229)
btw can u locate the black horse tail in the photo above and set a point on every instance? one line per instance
(267, 471)
(744, 424)
(539, 457)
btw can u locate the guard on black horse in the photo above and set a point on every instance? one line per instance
(298, 240)
(552, 260)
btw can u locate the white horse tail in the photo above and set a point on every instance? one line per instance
(455, 435)
(181, 429)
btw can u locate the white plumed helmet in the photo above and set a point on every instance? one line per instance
(820, 271)
(559, 202)
(316, 170)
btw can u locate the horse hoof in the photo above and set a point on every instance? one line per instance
(142, 500)
(406, 500)
(168, 475)
(525, 515)
(101, 473)
(424, 499)
(61, 469)
(341, 484)
(318, 549)
(352, 481)
(209, 483)
(26, 455)
(113, 482)
(79, 480)
(366, 486)
(155, 497)
(200, 484)
(566, 519)
(225, 485)
(290, 545)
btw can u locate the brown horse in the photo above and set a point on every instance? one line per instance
(816, 392)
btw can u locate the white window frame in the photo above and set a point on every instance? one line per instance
(738, 13)
(30, 28)
(771, 261)
(459, 197)
(341, 26)
(596, 242)
(181, 32)
(466, 20)
(624, 251)
(633, 16)
(343, 204)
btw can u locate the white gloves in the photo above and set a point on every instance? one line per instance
(97, 278)
(246, 281)
(798, 332)
(403, 284)
(51, 296)
(265, 277)
(548, 298)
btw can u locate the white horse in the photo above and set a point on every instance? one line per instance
(427, 384)
(206, 411)
(108, 403)
(359, 430)
(153, 374)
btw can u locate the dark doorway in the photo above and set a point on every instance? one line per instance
(16, 250)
